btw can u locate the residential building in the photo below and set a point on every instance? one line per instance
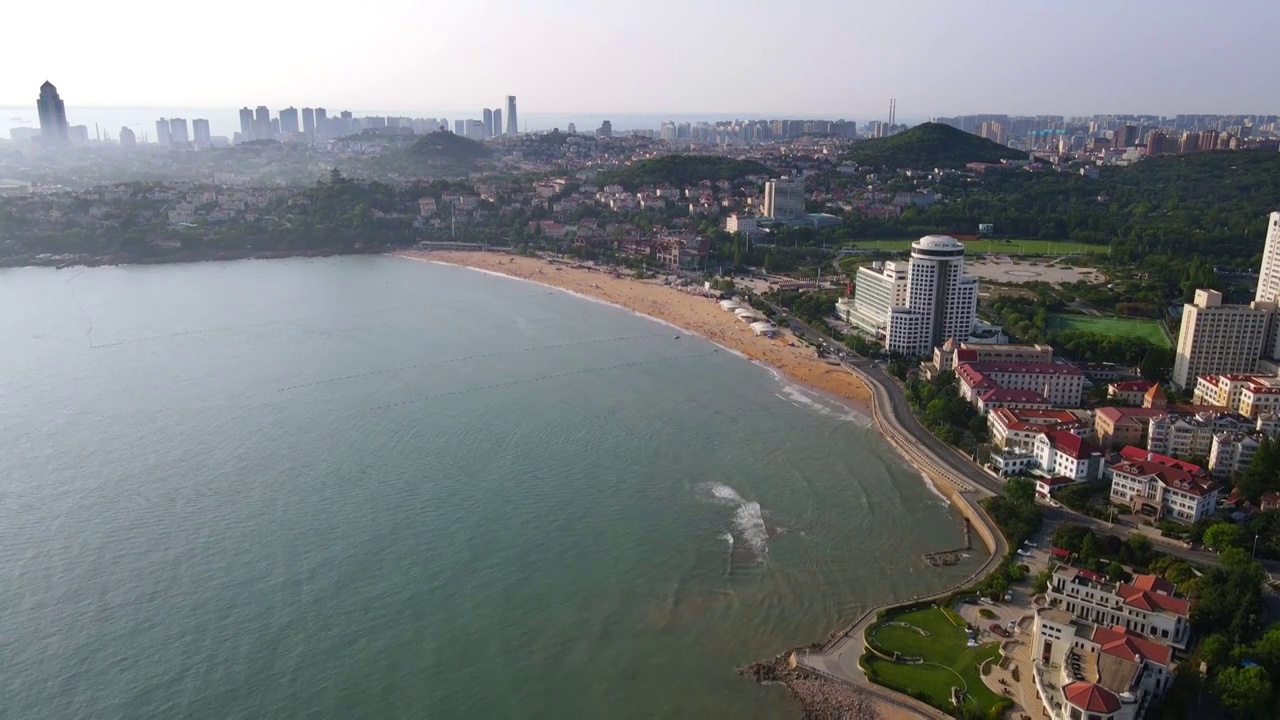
(950, 354)
(262, 123)
(748, 225)
(127, 137)
(1162, 487)
(309, 123)
(164, 135)
(784, 199)
(497, 122)
(200, 133)
(1060, 453)
(1017, 428)
(1217, 338)
(877, 291)
(53, 115)
(178, 131)
(1185, 435)
(513, 127)
(1249, 395)
(1232, 452)
(487, 116)
(246, 125)
(1147, 604)
(1128, 392)
(1115, 427)
(606, 129)
(1269, 276)
(289, 122)
(682, 252)
(1060, 384)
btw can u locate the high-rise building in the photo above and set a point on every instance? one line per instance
(53, 115)
(178, 131)
(322, 123)
(262, 123)
(246, 125)
(513, 127)
(309, 122)
(1208, 140)
(916, 306)
(1156, 143)
(488, 123)
(1269, 276)
(573, 129)
(784, 199)
(460, 127)
(1219, 339)
(78, 134)
(200, 132)
(127, 138)
(475, 130)
(289, 121)
(497, 122)
(163, 135)
(606, 129)
(1126, 136)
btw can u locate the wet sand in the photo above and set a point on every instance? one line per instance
(693, 313)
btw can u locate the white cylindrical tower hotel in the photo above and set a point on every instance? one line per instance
(938, 289)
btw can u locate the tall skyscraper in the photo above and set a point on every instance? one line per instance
(606, 129)
(53, 115)
(497, 122)
(460, 127)
(1217, 338)
(513, 127)
(1155, 142)
(261, 123)
(127, 138)
(916, 306)
(246, 125)
(322, 123)
(488, 123)
(163, 134)
(289, 121)
(1125, 136)
(200, 132)
(309, 123)
(784, 199)
(178, 131)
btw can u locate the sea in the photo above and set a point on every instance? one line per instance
(369, 487)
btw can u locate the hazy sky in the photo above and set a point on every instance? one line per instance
(838, 58)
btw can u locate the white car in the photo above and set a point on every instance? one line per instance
(1029, 544)
(1024, 553)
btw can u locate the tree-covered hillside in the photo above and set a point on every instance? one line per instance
(928, 146)
(682, 170)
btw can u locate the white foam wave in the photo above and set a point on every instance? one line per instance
(928, 481)
(728, 537)
(798, 397)
(750, 523)
(720, 491)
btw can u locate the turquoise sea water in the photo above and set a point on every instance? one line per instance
(372, 487)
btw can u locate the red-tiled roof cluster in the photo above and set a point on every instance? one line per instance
(1091, 698)
(1177, 474)
(1119, 641)
(1132, 386)
(1071, 445)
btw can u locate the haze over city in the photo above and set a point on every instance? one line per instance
(814, 58)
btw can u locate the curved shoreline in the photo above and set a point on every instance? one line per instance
(803, 670)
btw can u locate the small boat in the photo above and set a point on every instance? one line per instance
(676, 337)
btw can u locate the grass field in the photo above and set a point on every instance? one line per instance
(949, 662)
(1139, 327)
(1001, 247)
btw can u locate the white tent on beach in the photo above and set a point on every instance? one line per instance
(730, 304)
(764, 328)
(747, 315)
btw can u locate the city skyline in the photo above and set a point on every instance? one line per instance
(891, 53)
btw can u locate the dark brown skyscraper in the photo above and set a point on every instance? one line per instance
(1155, 143)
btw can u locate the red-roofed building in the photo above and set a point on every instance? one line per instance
(1148, 605)
(1017, 428)
(1120, 426)
(1161, 486)
(1061, 384)
(989, 400)
(1063, 454)
(1248, 394)
(1093, 700)
(1129, 392)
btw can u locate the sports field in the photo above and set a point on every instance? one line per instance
(1139, 327)
(999, 247)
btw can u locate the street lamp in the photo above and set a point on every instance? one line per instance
(1254, 554)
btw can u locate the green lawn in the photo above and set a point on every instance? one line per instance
(1000, 247)
(1139, 327)
(948, 661)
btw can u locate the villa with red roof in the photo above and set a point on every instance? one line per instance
(1148, 604)
(1128, 392)
(1161, 486)
(1059, 453)
(1018, 428)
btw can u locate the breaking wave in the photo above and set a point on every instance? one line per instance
(798, 397)
(748, 518)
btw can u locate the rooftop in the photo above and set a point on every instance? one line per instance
(1071, 445)
(1091, 698)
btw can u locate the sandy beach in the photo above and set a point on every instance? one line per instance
(694, 313)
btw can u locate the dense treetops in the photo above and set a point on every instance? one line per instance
(446, 148)
(682, 170)
(928, 146)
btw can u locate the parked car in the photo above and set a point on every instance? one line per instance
(995, 628)
(1024, 553)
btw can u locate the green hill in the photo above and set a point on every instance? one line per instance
(927, 146)
(682, 170)
(446, 148)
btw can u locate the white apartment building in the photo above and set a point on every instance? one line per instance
(916, 306)
(1187, 435)
(1231, 452)
(784, 199)
(1162, 487)
(1269, 276)
(748, 225)
(1148, 604)
(1250, 395)
(1217, 338)
(1062, 385)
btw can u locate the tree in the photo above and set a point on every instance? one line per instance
(1222, 536)
(1246, 690)
(1116, 572)
(1021, 490)
(1214, 651)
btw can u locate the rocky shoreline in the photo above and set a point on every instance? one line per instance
(819, 698)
